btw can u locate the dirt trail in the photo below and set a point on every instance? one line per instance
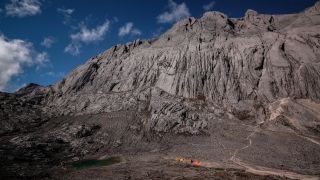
(264, 170)
(270, 171)
(256, 129)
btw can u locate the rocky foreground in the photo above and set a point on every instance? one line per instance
(242, 96)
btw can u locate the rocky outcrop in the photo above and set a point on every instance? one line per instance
(218, 60)
(231, 83)
(300, 116)
(222, 61)
(21, 111)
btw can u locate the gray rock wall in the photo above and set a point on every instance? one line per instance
(216, 58)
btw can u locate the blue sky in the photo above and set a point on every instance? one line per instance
(43, 40)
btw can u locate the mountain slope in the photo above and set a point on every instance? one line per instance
(237, 93)
(259, 57)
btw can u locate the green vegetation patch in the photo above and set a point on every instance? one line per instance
(87, 163)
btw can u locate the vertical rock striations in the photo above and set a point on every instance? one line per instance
(219, 59)
(244, 91)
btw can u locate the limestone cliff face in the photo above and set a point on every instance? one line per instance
(243, 91)
(198, 69)
(219, 59)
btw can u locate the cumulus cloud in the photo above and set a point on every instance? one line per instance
(91, 35)
(41, 59)
(47, 42)
(209, 6)
(14, 54)
(128, 29)
(87, 36)
(22, 8)
(67, 13)
(73, 48)
(175, 13)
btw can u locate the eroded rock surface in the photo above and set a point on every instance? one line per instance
(237, 92)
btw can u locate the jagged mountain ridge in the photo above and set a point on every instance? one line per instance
(225, 62)
(258, 57)
(245, 90)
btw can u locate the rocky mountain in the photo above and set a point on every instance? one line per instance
(242, 93)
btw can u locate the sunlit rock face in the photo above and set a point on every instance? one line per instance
(226, 90)
(224, 60)
(221, 61)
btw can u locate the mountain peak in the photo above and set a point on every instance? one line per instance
(314, 10)
(214, 88)
(28, 88)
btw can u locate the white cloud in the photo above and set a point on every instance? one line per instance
(47, 42)
(91, 35)
(66, 14)
(65, 11)
(14, 54)
(42, 58)
(209, 6)
(175, 13)
(87, 36)
(22, 8)
(128, 29)
(73, 48)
